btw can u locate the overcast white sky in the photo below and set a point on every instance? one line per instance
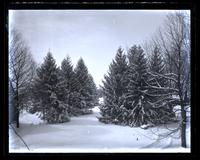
(94, 35)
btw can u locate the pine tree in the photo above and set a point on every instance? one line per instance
(141, 89)
(68, 73)
(147, 93)
(135, 93)
(159, 87)
(46, 91)
(67, 83)
(140, 112)
(81, 75)
(157, 69)
(92, 97)
(114, 89)
(156, 64)
(137, 75)
(84, 92)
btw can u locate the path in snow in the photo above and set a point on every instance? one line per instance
(85, 134)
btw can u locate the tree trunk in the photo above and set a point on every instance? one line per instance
(181, 93)
(186, 98)
(183, 127)
(183, 117)
(17, 106)
(17, 118)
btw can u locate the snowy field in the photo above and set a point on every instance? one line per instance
(85, 134)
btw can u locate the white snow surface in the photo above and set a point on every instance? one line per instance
(85, 134)
(101, 100)
(27, 118)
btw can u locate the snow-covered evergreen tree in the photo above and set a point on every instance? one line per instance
(156, 63)
(84, 90)
(81, 76)
(147, 98)
(137, 97)
(159, 87)
(136, 93)
(81, 72)
(114, 89)
(157, 70)
(92, 97)
(68, 73)
(46, 91)
(67, 83)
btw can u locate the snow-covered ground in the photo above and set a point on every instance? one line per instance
(86, 134)
(101, 100)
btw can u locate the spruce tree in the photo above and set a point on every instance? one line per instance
(140, 112)
(114, 89)
(157, 70)
(67, 73)
(84, 90)
(46, 92)
(81, 75)
(92, 97)
(157, 66)
(159, 87)
(67, 83)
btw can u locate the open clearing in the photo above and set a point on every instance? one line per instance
(86, 134)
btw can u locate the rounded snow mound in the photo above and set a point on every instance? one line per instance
(101, 100)
(96, 109)
(28, 118)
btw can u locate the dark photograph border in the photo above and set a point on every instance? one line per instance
(191, 5)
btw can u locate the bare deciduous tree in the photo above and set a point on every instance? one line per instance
(174, 39)
(21, 72)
